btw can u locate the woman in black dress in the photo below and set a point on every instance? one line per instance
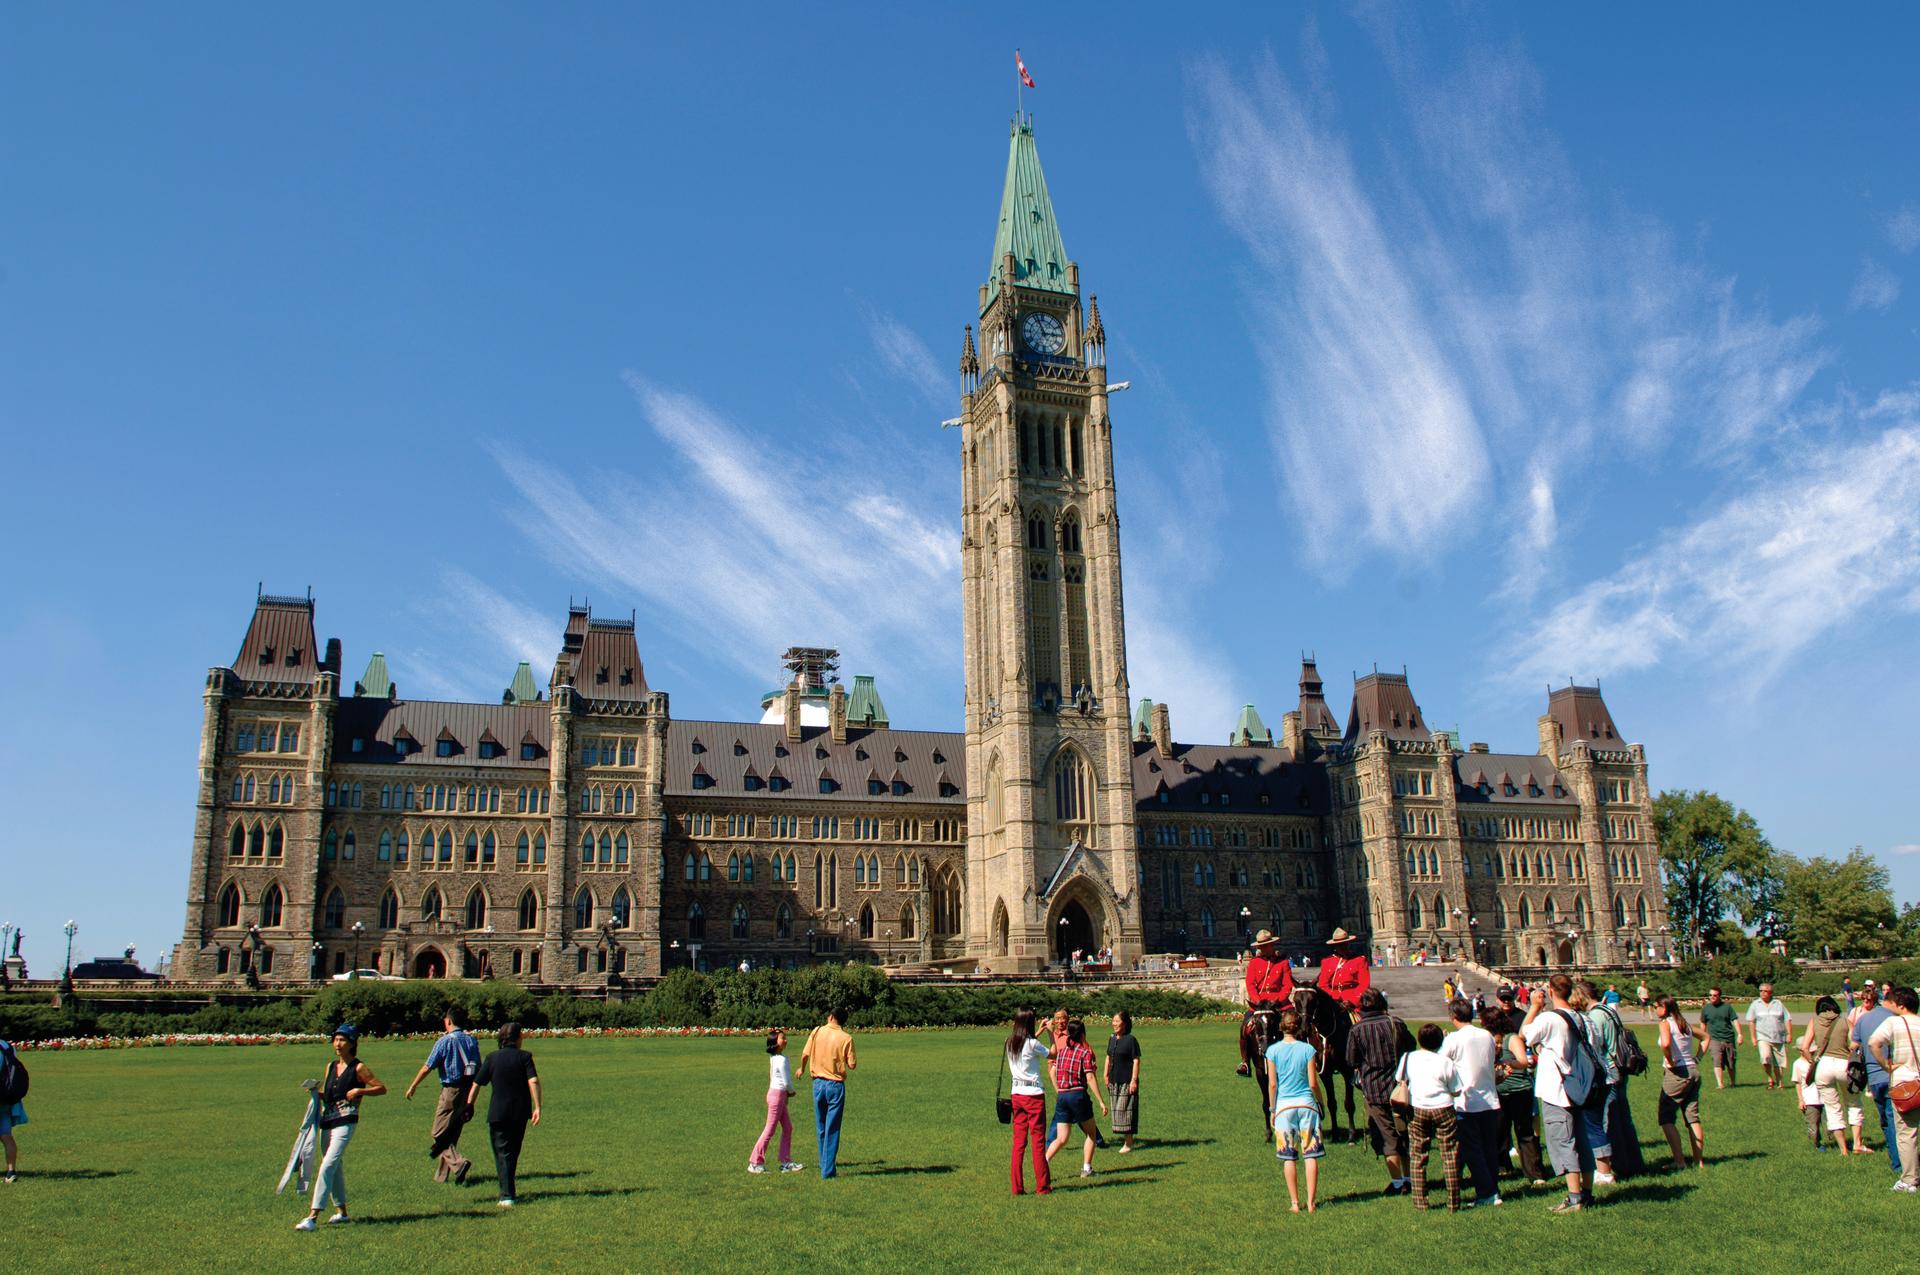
(515, 1104)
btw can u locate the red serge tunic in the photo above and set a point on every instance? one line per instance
(1269, 983)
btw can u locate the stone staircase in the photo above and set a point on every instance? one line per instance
(1414, 991)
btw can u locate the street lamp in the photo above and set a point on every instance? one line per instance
(359, 928)
(66, 979)
(253, 956)
(314, 964)
(1246, 921)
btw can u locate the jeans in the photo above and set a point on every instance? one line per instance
(330, 1181)
(1477, 1132)
(829, 1096)
(1030, 1130)
(506, 1153)
(777, 1118)
(1889, 1124)
(1599, 1141)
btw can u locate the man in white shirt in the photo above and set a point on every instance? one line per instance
(1472, 1050)
(1772, 1024)
(1548, 1033)
(1433, 1083)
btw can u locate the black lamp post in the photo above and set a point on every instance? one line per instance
(1246, 925)
(314, 963)
(253, 955)
(359, 928)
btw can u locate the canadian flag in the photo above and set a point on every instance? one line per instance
(1026, 77)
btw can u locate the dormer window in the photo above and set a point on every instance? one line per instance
(899, 787)
(626, 677)
(266, 655)
(778, 783)
(739, 749)
(489, 750)
(701, 779)
(780, 750)
(443, 748)
(600, 675)
(698, 748)
(529, 751)
(402, 745)
(859, 753)
(293, 656)
(875, 788)
(358, 745)
(827, 785)
(938, 760)
(948, 790)
(820, 752)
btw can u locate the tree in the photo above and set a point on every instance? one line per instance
(1841, 907)
(1714, 856)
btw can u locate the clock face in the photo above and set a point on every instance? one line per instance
(1043, 333)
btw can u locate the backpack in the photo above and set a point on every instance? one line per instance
(1628, 1058)
(1585, 1083)
(13, 1077)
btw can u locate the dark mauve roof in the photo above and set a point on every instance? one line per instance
(1314, 713)
(1582, 714)
(609, 666)
(279, 642)
(377, 721)
(1384, 701)
(929, 758)
(1242, 775)
(1498, 768)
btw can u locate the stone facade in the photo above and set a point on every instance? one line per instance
(579, 834)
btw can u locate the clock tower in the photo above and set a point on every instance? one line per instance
(1052, 865)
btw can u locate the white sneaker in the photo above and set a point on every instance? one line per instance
(1086, 1170)
(1602, 1179)
(506, 1204)
(338, 1219)
(756, 1168)
(1123, 1149)
(791, 1166)
(306, 1223)
(1901, 1185)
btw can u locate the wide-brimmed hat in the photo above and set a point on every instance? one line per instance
(1265, 938)
(1339, 936)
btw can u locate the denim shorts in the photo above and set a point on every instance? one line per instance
(1072, 1106)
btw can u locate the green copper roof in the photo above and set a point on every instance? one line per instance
(1143, 719)
(1250, 729)
(375, 683)
(863, 706)
(523, 691)
(1028, 228)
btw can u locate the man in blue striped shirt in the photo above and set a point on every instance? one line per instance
(456, 1057)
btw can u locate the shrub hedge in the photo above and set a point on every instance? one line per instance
(761, 998)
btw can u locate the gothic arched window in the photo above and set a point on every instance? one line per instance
(389, 910)
(529, 910)
(476, 909)
(270, 905)
(583, 909)
(336, 910)
(622, 908)
(430, 905)
(229, 907)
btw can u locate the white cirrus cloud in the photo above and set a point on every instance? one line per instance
(1442, 306)
(1903, 229)
(749, 551)
(1909, 848)
(1876, 288)
(907, 357)
(1755, 581)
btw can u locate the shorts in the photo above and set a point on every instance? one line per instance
(1072, 1106)
(1564, 1132)
(1296, 1134)
(1386, 1129)
(12, 1118)
(1126, 1111)
(1680, 1096)
(1721, 1051)
(1772, 1055)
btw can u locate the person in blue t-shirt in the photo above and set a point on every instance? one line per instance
(1872, 1014)
(1293, 1087)
(456, 1057)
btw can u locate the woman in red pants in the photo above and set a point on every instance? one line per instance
(1025, 1057)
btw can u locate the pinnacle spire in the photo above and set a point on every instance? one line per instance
(1028, 228)
(969, 360)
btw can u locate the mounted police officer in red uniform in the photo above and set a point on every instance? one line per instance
(1344, 975)
(1269, 988)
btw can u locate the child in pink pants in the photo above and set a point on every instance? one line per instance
(779, 1091)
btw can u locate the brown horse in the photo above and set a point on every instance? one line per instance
(1327, 1022)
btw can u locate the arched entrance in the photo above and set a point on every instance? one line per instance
(1074, 931)
(430, 964)
(1563, 952)
(1539, 956)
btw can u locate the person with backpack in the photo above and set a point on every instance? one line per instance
(13, 1110)
(1601, 1034)
(1565, 1074)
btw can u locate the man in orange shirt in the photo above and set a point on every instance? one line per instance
(829, 1053)
(1269, 987)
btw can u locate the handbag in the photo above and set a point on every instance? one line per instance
(1401, 1099)
(1905, 1095)
(1002, 1107)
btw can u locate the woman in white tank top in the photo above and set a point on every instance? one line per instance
(1680, 1081)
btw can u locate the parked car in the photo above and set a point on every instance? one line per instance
(368, 974)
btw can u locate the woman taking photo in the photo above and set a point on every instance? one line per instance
(347, 1081)
(1680, 1081)
(514, 1105)
(1025, 1056)
(1827, 1047)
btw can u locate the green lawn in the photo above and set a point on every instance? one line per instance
(165, 1159)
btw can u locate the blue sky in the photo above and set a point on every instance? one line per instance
(1508, 347)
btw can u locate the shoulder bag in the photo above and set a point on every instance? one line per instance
(1401, 1099)
(1905, 1095)
(1002, 1105)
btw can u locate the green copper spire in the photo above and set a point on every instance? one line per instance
(1250, 731)
(1143, 720)
(523, 691)
(863, 706)
(375, 682)
(1028, 228)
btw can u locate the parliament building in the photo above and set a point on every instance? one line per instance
(577, 832)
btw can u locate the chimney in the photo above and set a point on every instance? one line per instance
(1162, 731)
(791, 709)
(1551, 738)
(332, 662)
(837, 713)
(1477, 748)
(1290, 735)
